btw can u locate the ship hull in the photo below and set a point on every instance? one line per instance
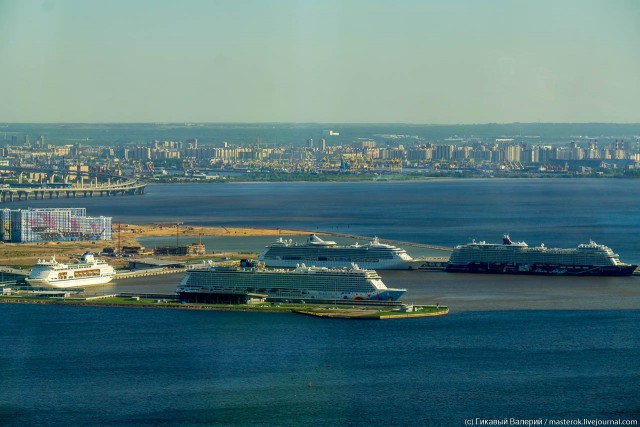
(319, 253)
(542, 269)
(86, 272)
(303, 283)
(390, 295)
(382, 265)
(70, 283)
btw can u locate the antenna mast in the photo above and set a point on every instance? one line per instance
(178, 233)
(118, 247)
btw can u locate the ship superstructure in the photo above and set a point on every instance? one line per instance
(321, 253)
(590, 259)
(86, 271)
(301, 283)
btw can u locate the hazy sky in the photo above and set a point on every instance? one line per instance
(410, 61)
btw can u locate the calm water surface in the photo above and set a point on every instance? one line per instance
(556, 212)
(525, 348)
(104, 366)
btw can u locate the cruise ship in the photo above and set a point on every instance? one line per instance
(87, 271)
(321, 253)
(302, 283)
(510, 257)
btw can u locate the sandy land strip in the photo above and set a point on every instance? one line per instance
(27, 254)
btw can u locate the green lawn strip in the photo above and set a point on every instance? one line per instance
(267, 307)
(424, 310)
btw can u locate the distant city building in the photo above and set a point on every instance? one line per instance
(35, 163)
(52, 224)
(364, 144)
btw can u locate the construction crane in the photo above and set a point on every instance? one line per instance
(175, 224)
(137, 168)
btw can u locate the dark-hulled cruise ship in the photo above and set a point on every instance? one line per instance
(511, 257)
(322, 253)
(302, 283)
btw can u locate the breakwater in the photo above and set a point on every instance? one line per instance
(356, 311)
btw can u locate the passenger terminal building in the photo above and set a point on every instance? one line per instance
(52, 225)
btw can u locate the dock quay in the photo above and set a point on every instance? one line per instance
(172, 301)
(405, 312)
(338, 302)
(432, 263)
(153, 296)
(147, 272)
(14, 271)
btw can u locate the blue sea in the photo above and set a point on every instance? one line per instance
(556, 212)
(127, 367)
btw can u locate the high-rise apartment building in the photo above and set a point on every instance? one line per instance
(52, 224)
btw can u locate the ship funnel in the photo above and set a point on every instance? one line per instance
(506, 240)
(315, 240)
(88, 258)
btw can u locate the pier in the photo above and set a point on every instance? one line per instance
(14, 271)
(147, 272)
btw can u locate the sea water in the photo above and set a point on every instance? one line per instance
(490, 360)
(132, 366)
(556, 212)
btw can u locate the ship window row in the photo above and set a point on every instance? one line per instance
(532, 258)
(341, 253)
(296, 284)
(327, 274)
(283, 282)
(531, 252)
(532, 255)
(283, 293)
(256, 287)
(87, 273)
(324, 258)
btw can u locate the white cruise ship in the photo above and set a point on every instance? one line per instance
(321, 253)
(302, 283)
(87, 271)
(588, 259)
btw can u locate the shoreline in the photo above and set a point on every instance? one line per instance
(27, 254)
(402, 178)
(298, 310)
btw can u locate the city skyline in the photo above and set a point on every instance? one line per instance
(321, 62)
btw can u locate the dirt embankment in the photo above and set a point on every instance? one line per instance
(27, 254)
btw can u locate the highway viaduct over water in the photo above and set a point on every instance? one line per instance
(111, 186)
